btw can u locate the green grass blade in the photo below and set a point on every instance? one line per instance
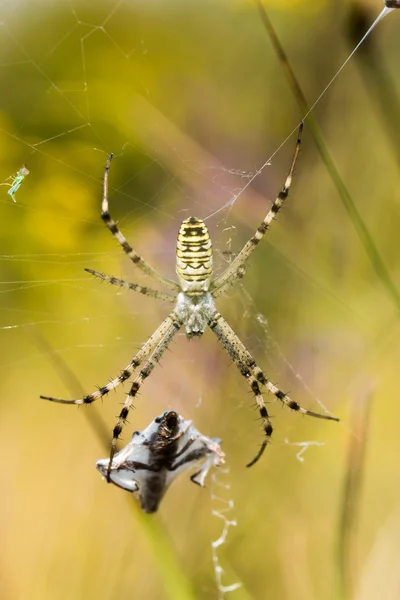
(351, 497)
(176, 585)
(359, 225)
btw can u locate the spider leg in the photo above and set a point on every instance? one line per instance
(127, 248)
(292, 404)
(255, 376)
(173, 324)
(142, 355)
(132, 286)
(237, 268)
(244, 362)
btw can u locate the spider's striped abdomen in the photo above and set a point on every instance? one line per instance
(194, 257)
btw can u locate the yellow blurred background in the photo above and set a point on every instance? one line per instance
(192, 100)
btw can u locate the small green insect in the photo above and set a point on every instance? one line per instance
(16, 181)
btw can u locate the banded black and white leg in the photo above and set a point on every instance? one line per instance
(255, 377)
(132, 286)
(127, 248)
(161, 334)
(237, 268)
(163, 342)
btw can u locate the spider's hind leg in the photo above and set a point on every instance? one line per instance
(127, 248)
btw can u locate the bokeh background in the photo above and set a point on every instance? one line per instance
(192, 99)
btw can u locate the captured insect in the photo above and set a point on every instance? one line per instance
(16, 181)
(154, 457)
(194, 310)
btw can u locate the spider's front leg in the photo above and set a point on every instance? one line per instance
(162, 332)
(174, 324)
(255, 377)
(245, 363)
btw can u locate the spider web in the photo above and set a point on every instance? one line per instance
(82, 81)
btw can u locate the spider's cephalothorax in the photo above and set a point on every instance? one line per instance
(194, 309)
(155, 456)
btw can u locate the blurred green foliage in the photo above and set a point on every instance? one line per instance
(192, 99)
